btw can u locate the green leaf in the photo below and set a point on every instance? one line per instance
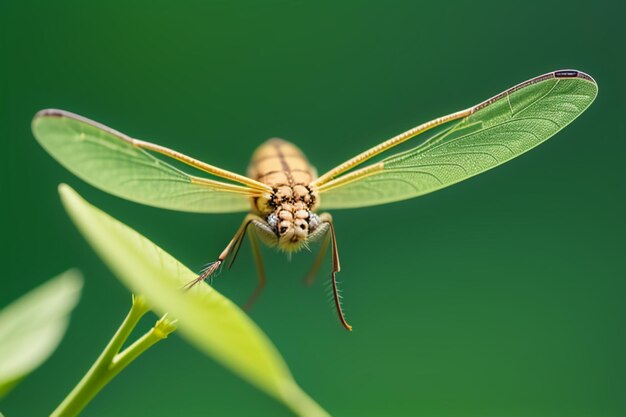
(32, 327)
(208, 320)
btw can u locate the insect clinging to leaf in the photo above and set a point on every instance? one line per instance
(282, 192)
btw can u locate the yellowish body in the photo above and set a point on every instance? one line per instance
(289, 209)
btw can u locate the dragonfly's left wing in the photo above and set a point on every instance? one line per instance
(487, 135)
(123, 166)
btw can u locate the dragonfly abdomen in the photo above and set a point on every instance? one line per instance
(278, 162)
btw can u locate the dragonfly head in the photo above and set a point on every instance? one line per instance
(292, 224)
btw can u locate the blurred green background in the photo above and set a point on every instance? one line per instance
(500, 296)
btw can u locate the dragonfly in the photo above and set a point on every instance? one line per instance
(285, 199)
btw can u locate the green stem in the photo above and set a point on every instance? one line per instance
(111, 362)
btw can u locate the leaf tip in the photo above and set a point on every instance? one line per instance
(64, 189)
(74, 276)
(68, 195)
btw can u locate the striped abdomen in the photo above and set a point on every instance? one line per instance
(278, 162)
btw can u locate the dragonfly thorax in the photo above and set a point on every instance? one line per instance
(300, 194)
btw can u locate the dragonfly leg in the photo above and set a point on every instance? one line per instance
(327, 218)
(320, 233)
(233, 246)
(256, 253)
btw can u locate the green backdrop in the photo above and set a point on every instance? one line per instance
(500, 296)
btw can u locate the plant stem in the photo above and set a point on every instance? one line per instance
(111, 361)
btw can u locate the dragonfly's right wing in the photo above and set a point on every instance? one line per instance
(122, 166)
(489, 134)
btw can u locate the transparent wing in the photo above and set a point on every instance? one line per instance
(120, 165)
(492, 133)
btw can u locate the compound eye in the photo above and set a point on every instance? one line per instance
(314, 221)
(272, 220)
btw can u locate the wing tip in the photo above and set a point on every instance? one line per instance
(559, 74)
(572, 73)
(50, 113)
(46, 113)
(60, 114)
(576, 74)
(55, 113)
